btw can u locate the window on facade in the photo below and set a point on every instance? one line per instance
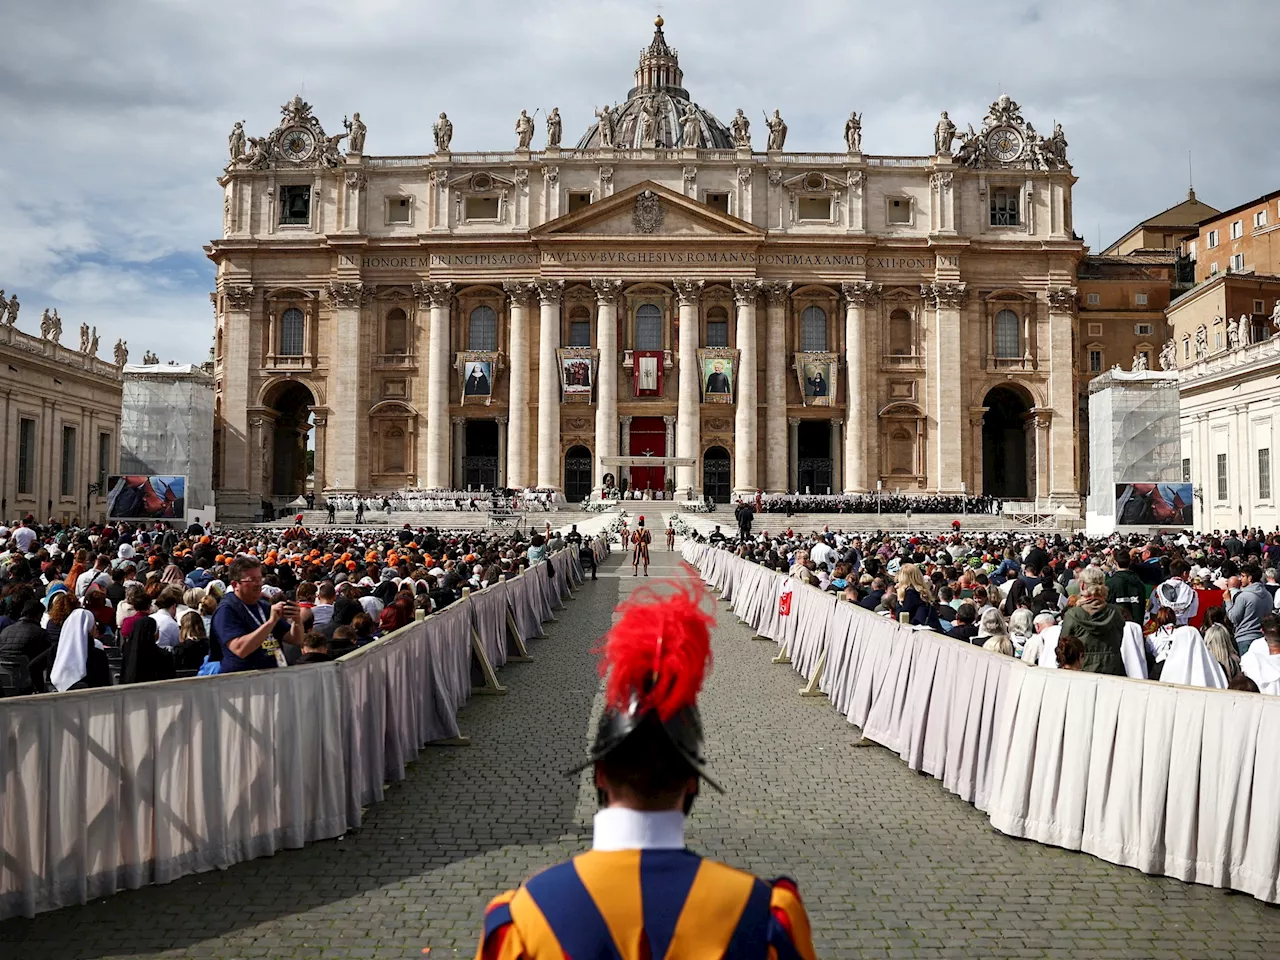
(104, 461)
(1095, 361)
(898, 210)
(1260, 219)
(1146, 358)
(1143, 329)
(1093, 299)
(393, 450)
(67, 486)
(1004, 208)
(26, 454)
(1213, 269)
(648, 327)
(1222, 476)
(1237, 262)
(900, 334)
(295, 204)
(1095, 329)
(1264, 473)
(397, 209)
(1212, 240)
(902, 451)
(1140, 299)
(580, 327)
(292, 323)
(1008, 333)
(1186, 348)
(396, 332)
(1259, 306)
(1237, 229)
(813, 330)
(578, 200)
(1217, 340)
(482, 329)
(814, 208)
(1186, 469)
(717, 201)
(482, 208)
(1191, 250)
(717, 327)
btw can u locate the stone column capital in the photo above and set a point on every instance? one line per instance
(746, 291)
(434, 294)
(519, 292)
(793, 421)
(837, 422)
(625, 421)
(549, 291)
(238, 296)
(668, 420)
(501, 421)
(459, 421)
(944, 296)
(777, 292)
(347, 294)
(606, 288)
(1062, 300)
(688, 291)
(860, 293)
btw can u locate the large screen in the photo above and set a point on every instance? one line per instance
(146, 498)
(1154, 505)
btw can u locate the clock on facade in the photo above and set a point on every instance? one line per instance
(297, 144)
(1004, 144)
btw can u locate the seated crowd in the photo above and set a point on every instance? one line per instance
(86, 607)
(1198, 610)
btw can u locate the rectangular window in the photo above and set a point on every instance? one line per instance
(1191, 250)
(1259, 306)
(580, 333)
(26, 454)
(717, 333)
(1004, 208)
(1237, 262)
(104, 462)
(1213, 269)
(1212, 239)
(1264, 473)
(1217, 341)
(67, 487)
(397, 209)
(814, 208)
(1143, 330)
(717, 201)
(295, 205)
(1222, 476)
(1093, 299)
(482, 208)
(1186, 348)
(898, 210)
(1237, 229)
(1260, 219)
(579, 200)
(1186, 470)
(1140, 299)
(1095, 361)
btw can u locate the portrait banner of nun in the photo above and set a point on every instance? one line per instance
(818, 374)
(477, 370)
(718, 366)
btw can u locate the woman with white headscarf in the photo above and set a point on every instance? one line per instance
(81, 661)
(1186, 660)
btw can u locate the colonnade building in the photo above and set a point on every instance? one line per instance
(662, 303)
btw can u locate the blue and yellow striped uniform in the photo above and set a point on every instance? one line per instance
(646, 905)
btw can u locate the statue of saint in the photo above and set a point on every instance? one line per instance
(740, 127)
(150, 358)
(853, 132)
(691, 127)
(649, 122)
(524, 130)
(443, 131)
(553, 129)
(777, 130)
(944, 134)
(1202, 342)
(1139, 364)
(606, 126)
(1275, 312)
(236, 141)
(46, 324)
(1233, 333)
(55, 328)
(93, 343)
(356, 131)
(12, 319)
(121, 353)
(84, 338)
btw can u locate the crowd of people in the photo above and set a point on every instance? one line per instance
(792, 503)
(414, 501)
(1201, 610)
(91, 606)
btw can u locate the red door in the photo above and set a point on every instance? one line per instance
(648, 438)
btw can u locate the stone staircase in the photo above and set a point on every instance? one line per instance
(440, 519)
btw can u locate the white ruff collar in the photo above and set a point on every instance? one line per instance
(617, 828)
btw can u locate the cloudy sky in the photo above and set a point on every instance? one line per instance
(118, 113)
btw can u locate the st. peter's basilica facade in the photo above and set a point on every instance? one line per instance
(660, 303)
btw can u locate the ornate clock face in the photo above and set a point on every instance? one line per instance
(1004, 144)
(297, 143)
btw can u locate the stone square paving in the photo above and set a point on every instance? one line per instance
(888, 863)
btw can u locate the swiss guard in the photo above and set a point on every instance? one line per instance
(640, 893)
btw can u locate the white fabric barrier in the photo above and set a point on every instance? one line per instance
(112, 789)
(1175, 781)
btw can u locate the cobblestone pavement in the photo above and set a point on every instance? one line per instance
(889, 864)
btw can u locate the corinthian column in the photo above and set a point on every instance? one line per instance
(775, 386)
(349, 430)
(688, 410)
(517, 468)
(857, 297)
(549, 292)
(437, 297)
(745, 426)
(1062, 401)
(607, 376)
(948, 300)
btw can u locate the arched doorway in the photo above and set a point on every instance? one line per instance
(577, 474)
(715, 474)
(1004, 444)
(289, 468)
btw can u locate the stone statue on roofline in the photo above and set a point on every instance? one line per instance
(1233, 333)
(740, 127)
(1169, 356)
(605, 125)
(356, 132)
(554, 128)
(442, 130)
(524, 130)
(121, 353)
(944, 134)
(1139, 364)
(777, 130)
(853, 132)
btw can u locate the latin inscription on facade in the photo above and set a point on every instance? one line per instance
(676, 258)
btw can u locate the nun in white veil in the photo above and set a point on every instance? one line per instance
(81, 661)
(1190, 663)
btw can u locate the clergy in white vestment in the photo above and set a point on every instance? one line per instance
(1261, 663)
(1190, 663)
(1042, 624)
(1133, 651)
(1049, 646)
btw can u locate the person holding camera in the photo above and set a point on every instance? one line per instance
(247, 628)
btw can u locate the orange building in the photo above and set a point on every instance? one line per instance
(1244, 239)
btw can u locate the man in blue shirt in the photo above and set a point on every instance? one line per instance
(244, 622)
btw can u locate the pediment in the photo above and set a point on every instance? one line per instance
(647, 210)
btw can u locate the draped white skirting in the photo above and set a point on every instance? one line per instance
(112, 789)
(1175, 781)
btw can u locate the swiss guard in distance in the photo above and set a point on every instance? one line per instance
(640, 893)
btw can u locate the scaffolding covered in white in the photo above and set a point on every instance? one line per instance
(166, 427)
(1134, 437)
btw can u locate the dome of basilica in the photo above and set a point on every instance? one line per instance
(658, 111)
